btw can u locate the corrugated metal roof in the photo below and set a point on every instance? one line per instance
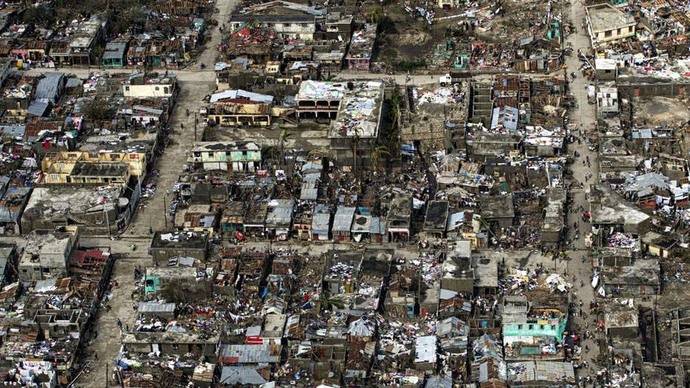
(240, 375)
(37, 108)
(320, 223)
(425, 349)
(343, 219)
(49, 87)
(280, 212)
(156, 307)
(250, 354)
(239, 93)
(13, 130)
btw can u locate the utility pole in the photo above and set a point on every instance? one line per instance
(165, 209)
(107, 220)
(196, 121)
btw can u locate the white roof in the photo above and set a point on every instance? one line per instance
(425, 349)
(239, 93)
(318, 90)
(605, 64)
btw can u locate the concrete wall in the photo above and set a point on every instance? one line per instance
(652, 89)
(161, 255)
(148, 90)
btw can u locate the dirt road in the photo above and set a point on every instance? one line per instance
(582, 119)
(194, 85)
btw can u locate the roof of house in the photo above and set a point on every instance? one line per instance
(240, 375)
(114, 50)
(343, 219)
(239, 94)
(49, 87)
(605, 17)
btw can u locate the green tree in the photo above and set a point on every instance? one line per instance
(330, 302)
(355, 153)
(98, 110)
(283, 138)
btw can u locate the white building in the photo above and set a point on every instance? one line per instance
(287, 19)
(141, 86)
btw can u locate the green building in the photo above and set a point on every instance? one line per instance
(114, 55)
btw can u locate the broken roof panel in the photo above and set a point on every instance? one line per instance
(360, 110)
(240, 375)
(239, 94)
(250, 354)
(320, 90)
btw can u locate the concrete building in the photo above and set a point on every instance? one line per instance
(114, 55)
(606, 69)
(226, 156)
(8, 263)
(361, 48)
(167, 343)
(607, 101)
(98, 209)
(77, 167)
(46, 253)
(289, 20)
(356, 127)
(185, 244)
(240, 107)
(319, 100)
(607, 24)
(140, 85)
(448, 4)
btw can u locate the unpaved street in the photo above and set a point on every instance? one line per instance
(582, 119)
(194, 85)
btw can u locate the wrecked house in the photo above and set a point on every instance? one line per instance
(230, 157)
(398, 220)
(356, 127)
(361, 48)
(436, 218)
(170, 343)
(319, 100)
(46, 254)
(165, 246)
(231, 108)
(610, 216)
(103, 209)
(533, 325)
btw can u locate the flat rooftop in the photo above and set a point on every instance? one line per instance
(360, 111)
(318, 90)
(605, 17)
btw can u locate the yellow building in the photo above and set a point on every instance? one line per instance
(92, 168)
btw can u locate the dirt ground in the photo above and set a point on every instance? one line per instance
(661, 111)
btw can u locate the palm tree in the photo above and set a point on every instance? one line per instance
(377, 153)
(330, 302)
(284, 136)
(355, 144)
